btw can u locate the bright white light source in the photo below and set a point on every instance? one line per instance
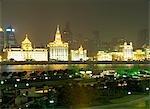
(8, 29)
(2, 82)
(27, 84)
(18, 79)
(147, 88)
(88, 72)
(27, 105)
(16, 85)
(24, 94)
(129, 93)
(105, 87)
(51, 101)
(70, 76)
(13, 30)
(46, 77)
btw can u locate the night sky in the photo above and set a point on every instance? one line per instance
(112, 18)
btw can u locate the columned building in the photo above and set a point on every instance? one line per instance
(26, 52)
(79, 55)
(104, 56)
(127, 51)
(58, 50)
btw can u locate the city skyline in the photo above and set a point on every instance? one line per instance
(110, 18)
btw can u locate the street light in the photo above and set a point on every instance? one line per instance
(147, 88)
(129, 93)
(16, 85)
(27, 84)
(2, 82)
(51, 101)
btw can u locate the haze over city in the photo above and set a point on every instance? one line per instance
(111, 18)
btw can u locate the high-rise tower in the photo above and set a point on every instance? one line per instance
(67, 35)
(10, 40)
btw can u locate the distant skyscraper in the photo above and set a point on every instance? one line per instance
(143, 38)
(67, 35)
(1, 39)
(10, 40)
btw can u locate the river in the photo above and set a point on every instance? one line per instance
(17, 68)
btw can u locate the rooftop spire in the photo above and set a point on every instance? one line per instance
(58, 35)
(26, 40)
(58, 30)
(1, 30)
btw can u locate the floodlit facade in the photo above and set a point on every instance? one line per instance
(103, 56)
(117, 56)
(127, 51)
(139, 55)
(26, 52)
(79, 55)
(0, 58)
(147, 53)
(58, 50)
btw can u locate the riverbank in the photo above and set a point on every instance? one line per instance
(70, 62)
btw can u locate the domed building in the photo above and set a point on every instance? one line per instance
(26, 52)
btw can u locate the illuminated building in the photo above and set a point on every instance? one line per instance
(0, 58)
(139, 55)
(117, 56)
(147, 53)
(26, 52)
(10, 40)
(1, 39)
(103, 56)
(58, 50)
(127, 51)
(78, 55)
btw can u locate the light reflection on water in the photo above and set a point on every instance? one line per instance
(15, 68)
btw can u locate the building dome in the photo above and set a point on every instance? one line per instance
(26, 44)
(26, 40)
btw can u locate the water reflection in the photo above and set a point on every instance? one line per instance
(15, 68)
